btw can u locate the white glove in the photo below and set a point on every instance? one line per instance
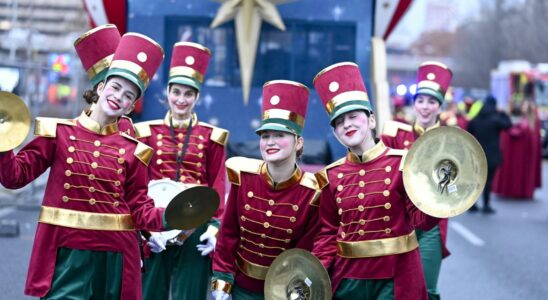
(157, 243)
(209, 246)
(219, 295)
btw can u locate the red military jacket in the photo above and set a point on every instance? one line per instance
(262, 219)
(95, 198)
(204, 159)
(401, 136)
(367, 222)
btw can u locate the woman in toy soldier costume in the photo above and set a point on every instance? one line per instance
(186, 151)
(95, 48)
(96, 193)
(271, 204)
(367, 239)
(433, 79)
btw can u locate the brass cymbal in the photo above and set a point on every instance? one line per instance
(14, 121)
(445, 171)
(192, 207)
(296, 274)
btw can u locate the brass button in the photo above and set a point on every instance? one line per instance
(91, 189)
(388, 168)
(289, 231)
(180, 135)
(361, 196)
(340, 187)
(387, 181)
(266, 224)
(362, 172)
(72, 138)
(122, 151)
(295, 208)
(250, 194)
(66, 186)
(340, 211)
(91, 177)
(159, 161)
(71, 149)
(200, 155)
(116, 203)
(287, 241)
(198, 181)
(159, 152)
(386, 218)
(121, 160)
(183, 178)
(68, 173)
(201, 137)
(65, 199)
(180, 145)
(199, 165)
(92, 201)
(343, 234)
(94, 165)
(261, 245)
(247, 207)
(387, 205)
(96, 153)
(160, 136)
(159, 143)
(242, 218)
(200, 146)
(268, 213)
(116, 195)
(339, 200)
(70, 160)
(340, 175)
(361, 183)
(263, 236)
(260, 254)
(361, 208)
(406, 143)
(386, 193)
(361, 232)
(362, 222)
(242, 228)
(271, 202)
(117, 183)
(119, 171)
(387, 230)
(293, 219)
(97, 143)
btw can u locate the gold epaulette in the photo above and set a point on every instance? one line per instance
(47, 127)
(218, 135)
(309, 180)
(142, 129)
(398, 152)
(321, 176)
(142, 151)
(391, 128)
(238, 164)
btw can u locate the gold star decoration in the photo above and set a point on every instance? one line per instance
(248, 16)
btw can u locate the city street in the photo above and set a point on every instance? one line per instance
(500, 256)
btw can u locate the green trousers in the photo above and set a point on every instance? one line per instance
(431, 255)
(371, 289)
(182, 268)
(239, 293)
(86, 274)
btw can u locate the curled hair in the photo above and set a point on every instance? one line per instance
(91, 96)
(300, 152)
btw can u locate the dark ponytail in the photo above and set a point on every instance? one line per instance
(90, 96)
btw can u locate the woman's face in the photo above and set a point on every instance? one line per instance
(427, 109)
(353, 128)
(117, 96)
(278, 146)
(182, 99)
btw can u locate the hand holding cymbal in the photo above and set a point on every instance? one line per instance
(14, 121)
(192, 207)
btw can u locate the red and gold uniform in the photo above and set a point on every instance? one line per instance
(367, 221)
(263, 218)
(433, 79)
(96, 195)
(182, 266)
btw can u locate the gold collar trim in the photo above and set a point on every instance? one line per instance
(92, 125)
(181, 124)
(295, 178)
(420, 131)
(368, 155)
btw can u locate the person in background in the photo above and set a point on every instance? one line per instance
(433, 80)
(367, 240)
(96, 196)
(191, 152)
(272, 203)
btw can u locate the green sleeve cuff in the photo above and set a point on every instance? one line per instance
(214, 222)
(228, 277)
